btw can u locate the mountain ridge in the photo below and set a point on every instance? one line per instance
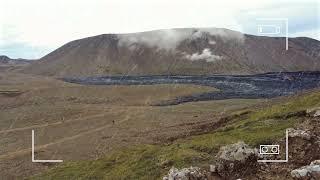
(193, 51)
(5, 60)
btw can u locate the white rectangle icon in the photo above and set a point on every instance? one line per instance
(269, 149)
(274, 26)
(276, 160)
(268, 29)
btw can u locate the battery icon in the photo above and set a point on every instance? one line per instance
(268, 29)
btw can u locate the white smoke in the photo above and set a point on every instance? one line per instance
(212, 42)
(205, 55)
(170, 38)
(164, 39)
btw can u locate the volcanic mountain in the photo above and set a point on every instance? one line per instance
(185, 51)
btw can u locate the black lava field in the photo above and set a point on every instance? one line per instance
(231, 86)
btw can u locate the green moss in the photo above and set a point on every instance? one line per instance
(297, 103)
(153, 161)
(138, 162)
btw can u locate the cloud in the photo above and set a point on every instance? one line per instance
(165, 39)
(205, 55)
(53, 23)
(303, 16)
(169, 39)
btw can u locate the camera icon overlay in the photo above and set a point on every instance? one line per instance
(269, 149)
(274, 27)
(266, 150)
(269, 29)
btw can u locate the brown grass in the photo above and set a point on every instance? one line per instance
(75, 122)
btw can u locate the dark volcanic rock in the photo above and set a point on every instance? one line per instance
(246, 86)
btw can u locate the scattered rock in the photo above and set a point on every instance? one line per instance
(235, 160)
(313, 112)
(238, 160)
(299, 133)
(71, 98)
(307, 172)
(303, 145)
(192, 173)
(213, 168)
(236, 152)
(315, 162)
(166, 163)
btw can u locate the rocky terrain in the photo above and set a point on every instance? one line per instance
(239, 161)
(190, 51)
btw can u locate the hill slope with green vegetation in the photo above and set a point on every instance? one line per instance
(264, 124)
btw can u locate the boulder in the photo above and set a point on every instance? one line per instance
(192, 173)
(307, 172)
(213, 168)
(304, 134)
(235, 160)
(313, 112)
(236, 152)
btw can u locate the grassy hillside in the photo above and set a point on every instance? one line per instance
(94, 120)
(153, 161)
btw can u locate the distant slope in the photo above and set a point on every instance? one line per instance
(7, 63)
(179, 51)
(5, 60)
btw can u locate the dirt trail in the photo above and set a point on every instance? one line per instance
(28, 150)
(50, 124)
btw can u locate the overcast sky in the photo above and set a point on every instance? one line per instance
(33, 28)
